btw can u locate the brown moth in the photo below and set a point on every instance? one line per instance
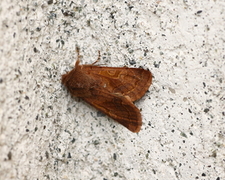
(112, 90)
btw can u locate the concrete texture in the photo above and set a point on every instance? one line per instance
(47, 134)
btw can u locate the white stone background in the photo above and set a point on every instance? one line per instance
(47, 134)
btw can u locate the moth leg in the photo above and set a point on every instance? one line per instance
(99, 57)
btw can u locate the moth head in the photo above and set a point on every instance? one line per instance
(66, 77)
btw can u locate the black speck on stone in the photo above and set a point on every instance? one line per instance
(130, 7)
(112, 15)
(157, 64)
(62, 42)
(66, 13)
(199, 12)
(27, 130)
(183, 134)
(100, 114)
(203, 174)
(96, 142)
(114, 156)
(50, 107)
(69, 155)
(1, 80)
(206, 110)
(35, 129)
(89, 22)
(50, 2)
(214, 154)
(59, 150)
(73, 140)
(204, 85)
(41, 158)
(46, 154)
(35, 50)
(189, 111)
(145, 52)
(132, 61)
(38, 29)
(27, 98)
(9, 155)
(69, 110)
(218, 178)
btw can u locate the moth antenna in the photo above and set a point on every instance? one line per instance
(78, 51)
(77, 63)
(99, 57)
(78, 56)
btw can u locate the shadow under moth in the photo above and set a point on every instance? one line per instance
(112, 90)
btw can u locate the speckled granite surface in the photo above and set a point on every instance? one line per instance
(47, 134)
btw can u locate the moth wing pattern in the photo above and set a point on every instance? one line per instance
(111, 90)
(118, 107)
(132, 82)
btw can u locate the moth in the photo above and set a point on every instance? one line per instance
(111, 90)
